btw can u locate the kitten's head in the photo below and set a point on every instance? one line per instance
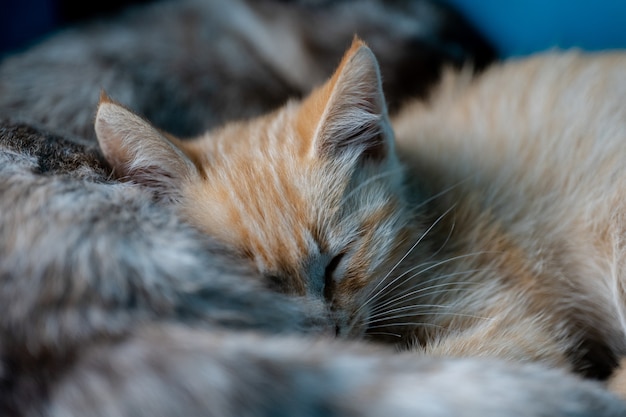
(312, 193)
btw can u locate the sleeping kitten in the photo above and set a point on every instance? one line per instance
(190, 65)
(490, 226)
(130, 312)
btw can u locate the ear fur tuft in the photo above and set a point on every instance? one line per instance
(104, 97)
(350, 109)
(139, 152)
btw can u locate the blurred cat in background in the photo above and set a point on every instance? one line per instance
(191, 65)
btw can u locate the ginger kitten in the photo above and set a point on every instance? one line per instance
(490, 225)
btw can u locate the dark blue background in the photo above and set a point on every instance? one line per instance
(23, 22)
(520, 27)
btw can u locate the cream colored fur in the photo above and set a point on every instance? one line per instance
(536, 148)
(532, 154)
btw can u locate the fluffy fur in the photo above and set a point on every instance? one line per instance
(190, 65)
(498, 235)
(130, 312)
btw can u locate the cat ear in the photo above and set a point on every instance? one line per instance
(348, 114)
(139, 152)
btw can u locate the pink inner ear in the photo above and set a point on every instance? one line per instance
(109, 139)
(139, 153)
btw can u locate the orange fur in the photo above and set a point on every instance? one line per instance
(499, 233)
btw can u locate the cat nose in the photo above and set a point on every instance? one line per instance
(343, 329)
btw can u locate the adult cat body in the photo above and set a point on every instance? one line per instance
(490, 226)
(529, 156)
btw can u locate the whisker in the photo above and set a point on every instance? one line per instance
(420, 272)
(402, 260)
(445, 242)
(418, 295)
(471, 316)
(441, 193)
(392, 317)
(436, 264)
(432, 313)
(404, 308)
(416, 324)
(384, 334)
(420, 287)
(380, 311)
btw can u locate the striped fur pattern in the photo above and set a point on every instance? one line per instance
(491, 225)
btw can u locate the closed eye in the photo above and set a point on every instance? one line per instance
(329, 277)
(276, 283)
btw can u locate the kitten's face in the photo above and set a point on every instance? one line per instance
(311, 193)
(314, 225)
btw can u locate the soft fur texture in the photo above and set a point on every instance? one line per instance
(115, 305)
(190, 65)
(130, 312)
(498, 235)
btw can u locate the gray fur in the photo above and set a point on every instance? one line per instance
(170, 370)
(129, 312)
(189, 65)
(86, 260)
(123, 259)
